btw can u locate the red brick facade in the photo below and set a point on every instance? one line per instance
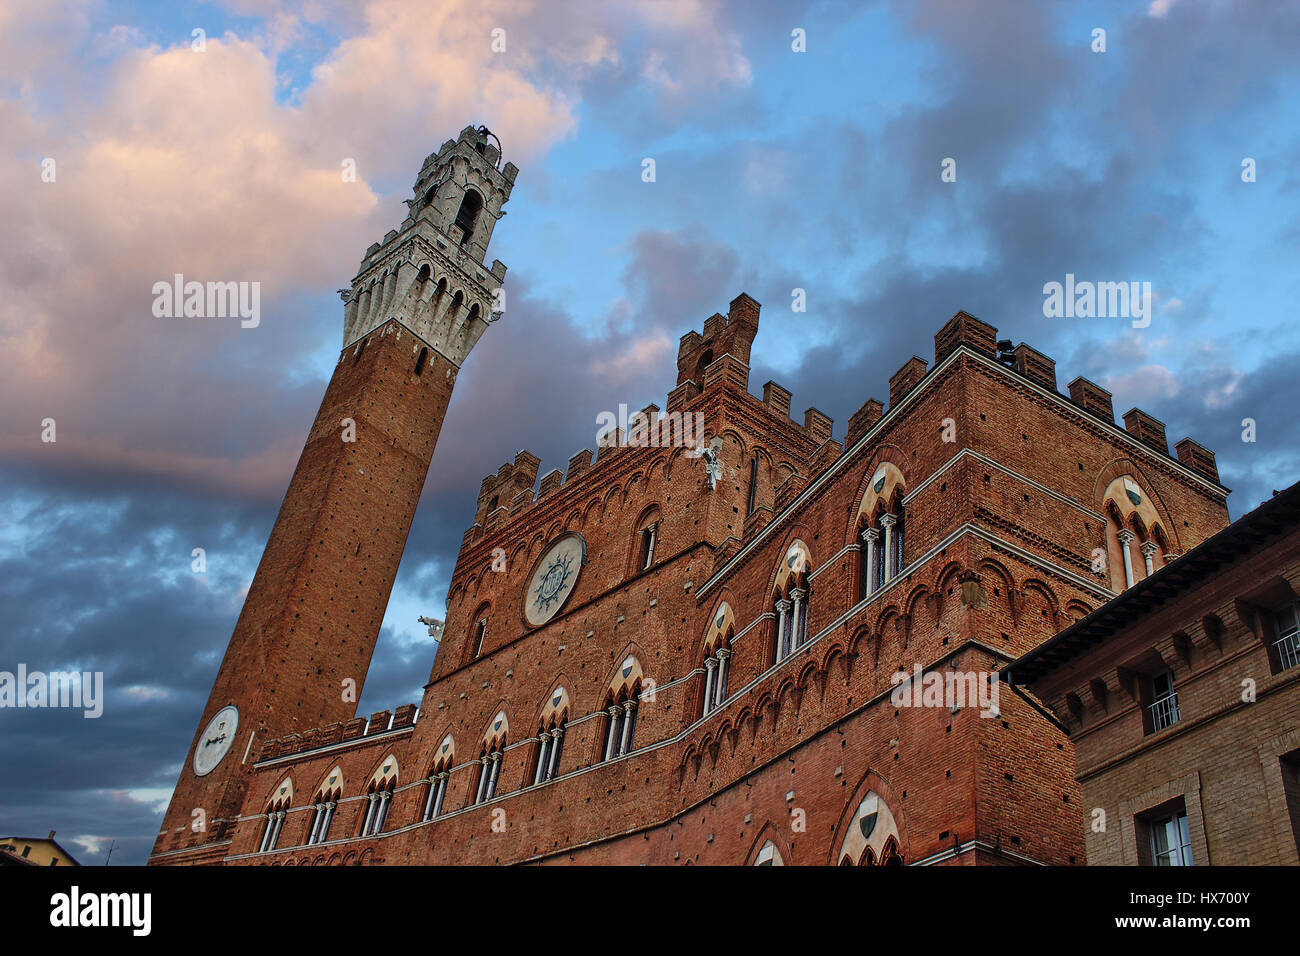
(998, 489)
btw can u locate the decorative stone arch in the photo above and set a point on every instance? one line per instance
(881, 487)
(759, 855)
(871, 819)
(330, 786)
(444, 755)
(626, 677)
(555, 706)
(720, 631)
(574, 521)
(596, 505)
(281, 797)
(794, 566)
(1127, 466)
(384, 775)
(497, 730)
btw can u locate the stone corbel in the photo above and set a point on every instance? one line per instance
(1129, 681)
(1100, 694)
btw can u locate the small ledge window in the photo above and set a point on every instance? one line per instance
(1161, 701)
(1286, 636)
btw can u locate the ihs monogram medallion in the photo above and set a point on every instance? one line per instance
(552, 583)
(554, 579)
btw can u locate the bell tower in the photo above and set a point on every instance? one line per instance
(302, 645)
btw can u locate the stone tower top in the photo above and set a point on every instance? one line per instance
(461, 189)
(428, 274)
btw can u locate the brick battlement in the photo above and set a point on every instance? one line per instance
(358, 728)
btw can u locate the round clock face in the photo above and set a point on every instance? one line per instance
(553, 579)
(215, 740)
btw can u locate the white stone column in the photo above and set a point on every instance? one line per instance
(329, 818)
(370, 814)
(781, 607)
(1149, 549)
(887, 522)
(433, 795)
(556, 734)
(496, 768)
(482, 778)
(614, 713)
(797, 629)
(870, 536)
(709, 666)
(442, 792)
(628, 708)
(1125, 539)
(720, 690)
(543, 745)
(316, 822)
(266, 834)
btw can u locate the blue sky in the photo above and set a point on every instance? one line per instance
(775, 170)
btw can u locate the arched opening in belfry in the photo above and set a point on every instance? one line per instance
(467, 216)
(705, 361)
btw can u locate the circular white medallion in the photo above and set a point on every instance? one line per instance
(553, 579)
(216, 739)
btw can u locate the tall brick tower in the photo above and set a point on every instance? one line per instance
(304, 639)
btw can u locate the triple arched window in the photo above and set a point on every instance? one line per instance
(550, 736)
(436, 791)
(489, 759)
(791, 600)
(324, 805)
(276, 811)
(717, 657)
(379, 797)
(882, 528)
(1136, 542)
(621, 704)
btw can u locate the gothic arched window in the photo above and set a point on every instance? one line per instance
(1136, 541)
(379, 797)
(489, 758)
(717, 657)
(276, 811)
(467, 215)
(791, 600)
(550, 736)
(621, 703)
(436, 791)
(880, 524)
(325, 802)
